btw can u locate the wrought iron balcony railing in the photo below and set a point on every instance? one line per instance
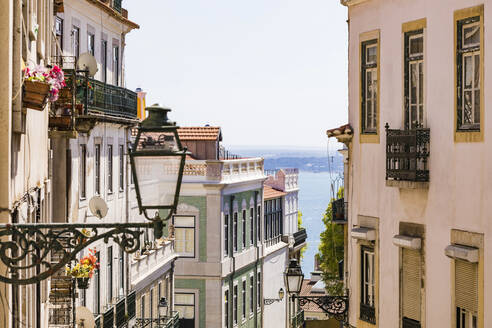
(407, 153)
(120, 313)
(298, 320)
(300, 237)
(367, 313)
(131, 304)
(84, 96)
(339, 211)
(163, 322)
(409, 323)
(108, 318)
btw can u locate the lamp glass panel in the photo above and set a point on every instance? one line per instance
(294, 283)
(157, 178)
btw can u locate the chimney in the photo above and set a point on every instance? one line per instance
(316, 276)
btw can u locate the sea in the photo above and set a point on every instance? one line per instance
(316, 169)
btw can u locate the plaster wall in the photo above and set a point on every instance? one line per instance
(459, 193)
(274, 264)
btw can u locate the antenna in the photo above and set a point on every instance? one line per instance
(84, 318)
(98, 207)
(87, 62)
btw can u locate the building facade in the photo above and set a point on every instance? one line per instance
(416, 173)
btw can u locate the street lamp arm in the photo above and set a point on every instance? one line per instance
(26, 254)
(335, 306)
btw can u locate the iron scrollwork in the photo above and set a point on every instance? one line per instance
(26, 249)
(335, 306)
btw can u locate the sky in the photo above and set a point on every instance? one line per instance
(268, 72)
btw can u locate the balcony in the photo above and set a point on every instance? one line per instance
(223, 171)
(298, 320)
(409, 323)
(117, 5)
(84, 98)
(300, 237)
(339, 211)
(407, 153)
(367, 313)
(165, 322)
(153, 264)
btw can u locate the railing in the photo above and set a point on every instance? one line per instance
(225, 171)
(108, 318)
(131, 304)
(97, 321)
(272, 241)
(298, 319)
(367, 313)
(226, 155)
(409, 323)
(300, 237)
(339, 211)
(142, 265)
(163, 322)
(120, 313)
(407, 153)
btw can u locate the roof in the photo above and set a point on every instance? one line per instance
(271, 193)
(207, 133)
(110, 11)
(306, 290)
(344, 129)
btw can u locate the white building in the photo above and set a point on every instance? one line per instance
(418, 192)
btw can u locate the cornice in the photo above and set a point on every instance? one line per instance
(350, 3)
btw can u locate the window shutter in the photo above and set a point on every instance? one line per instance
(466, 285)
(411, 277)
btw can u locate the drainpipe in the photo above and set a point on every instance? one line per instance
(255, 220)
(231, 255)
(127, 210)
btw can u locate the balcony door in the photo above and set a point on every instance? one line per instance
(414, 80)
(184, 303)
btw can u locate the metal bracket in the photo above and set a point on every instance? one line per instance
(26, 249)
(335, 306)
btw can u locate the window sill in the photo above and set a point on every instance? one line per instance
(407, 184)
(369, 138)
(468, 136)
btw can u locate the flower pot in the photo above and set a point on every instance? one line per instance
(35, 94)
(61, 122)
(82, 283)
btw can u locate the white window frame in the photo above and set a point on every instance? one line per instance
(176, 227)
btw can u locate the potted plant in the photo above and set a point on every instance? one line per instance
(41, 85)
(84, 269)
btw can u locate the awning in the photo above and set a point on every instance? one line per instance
(461, 252)
(364, 233)
(407, 242)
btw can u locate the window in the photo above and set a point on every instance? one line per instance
(91, 44)
(97, 287)
(104, 60)
(370, 86)
(243, 300)
(258, 224)
(59, 35)
(122, 168)
(142, 307)
(226, 235)
(110, 274)
(251, 294)
(466, 294)
(184, 303)
(251, 227)
(235, 305)
(116, 65)
(97, 169)
(469, 70)
(122, 272)
(414, 79)
(273, 221)
(367, 285)
(75, 41)
(184, 235)
(151, 305)
(226, 309)
(110, 169)
(83, 171)
(258, 290)
(244, 229)
(411, 275)
(235, 232)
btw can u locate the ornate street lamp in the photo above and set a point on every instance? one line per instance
(162, 307)
(157, 161)
(268, 301)
(157, 166)
(333, 306)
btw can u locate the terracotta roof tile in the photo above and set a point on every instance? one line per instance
(209, 133)
(344, 129)
(270, 193)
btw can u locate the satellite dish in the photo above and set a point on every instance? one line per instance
(98, 207)
(87, 62)
(84, 318)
